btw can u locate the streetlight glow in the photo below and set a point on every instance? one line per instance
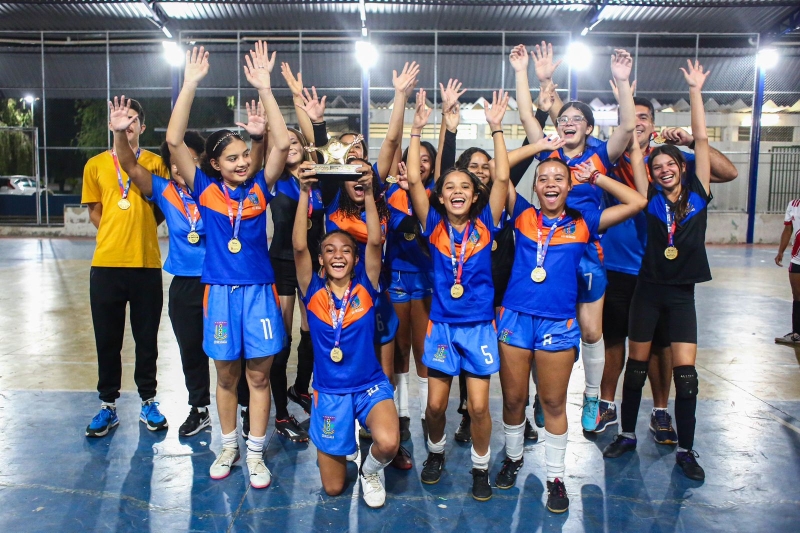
(366, 54)
(578, 55)
(767, 58)
(173, 53)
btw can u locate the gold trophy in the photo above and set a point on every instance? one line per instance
(333, 159)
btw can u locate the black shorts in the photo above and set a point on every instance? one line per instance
(285, 276)
(433, 373)
(673, 304)
(616, 310)
(794, 268)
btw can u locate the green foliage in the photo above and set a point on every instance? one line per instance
(91, 116)
(16, 147)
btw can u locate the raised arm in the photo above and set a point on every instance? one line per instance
(621, 63)
(195, 70)
(542, 55)
(119, 121)
(695, 78)
(722, 169)
(404, 84)
(373, 260)
(416, 189)
(296, 86)
(519, 62)
(639, 169)
(451, 117)
(256, 127)
(631, 202)
(501, 172)
(303, 261)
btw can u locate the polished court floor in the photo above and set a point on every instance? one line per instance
(54, 479)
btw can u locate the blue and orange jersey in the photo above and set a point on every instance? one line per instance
(401, 254)
(557, 295)
(184, 258)
(251, 266)
(359, 368)
(477, 302)
(357, 227)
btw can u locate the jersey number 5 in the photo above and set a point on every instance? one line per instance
(267, 325)
(487, 356)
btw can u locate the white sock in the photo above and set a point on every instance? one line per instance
(372, 465)
(656, 409)
(611, 404)
(437, 447)
(255, 446)
(594, 360)
(231, 440)
(555, 449)
(423, 395)
(113, 405)
(401, 393)
(515, 440)
(480, 462)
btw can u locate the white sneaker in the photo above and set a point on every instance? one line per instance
(221, 468)
(372, 489)
(260, 476)
(789, 338)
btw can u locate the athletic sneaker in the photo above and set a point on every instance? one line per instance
(402, 461)
(290, 429)
(688, 463)
(372, 489)
(300, 398)
(538, 412)
(557, 499)
(245, 422)
(507, 476)
(195, 422)
(589, 418)
(481, 489)
(432, 468)
(405, 428)
(464, 433)
(661, 426)
(260, 476)
(152, 417)
(530, 433)
(607, 416)
(789, 338)
(103, 422)
(221, 467)
(619, 446)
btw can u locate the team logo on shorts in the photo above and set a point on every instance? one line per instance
(505, 335)
(441, 351)
(373, 390)
(328, 428)
(220, 332)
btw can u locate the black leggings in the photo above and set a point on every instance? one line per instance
(186, 315)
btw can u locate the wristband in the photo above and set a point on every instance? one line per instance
(318, 123)
(416, 135)
(496, 131)
(593, 178)
(257, 138)
(690, 146)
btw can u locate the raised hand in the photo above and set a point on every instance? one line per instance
(307, 176)
(621, 65)
(695, 77)
(547, 96)
(543, 61)
(495, 113)
(406, 81)
(583, 172)
(519, 58)
(450, 94)
(256, 119)
(421, 112)
(615, 89)
(366, 175)
(118, 117)
(677, 136)
(295, 84)
(312, 105)
(196, 66)
(549, 144)
(402, 171)
(259, 66)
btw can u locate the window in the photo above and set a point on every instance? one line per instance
(778, 134)
(744, 133)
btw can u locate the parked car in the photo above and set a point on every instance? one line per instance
(23, 185)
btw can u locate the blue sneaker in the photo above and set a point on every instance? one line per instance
(661, 426)
(104, 421)
(152, 417)
(538, 412)
(607, 416)
(591, 415)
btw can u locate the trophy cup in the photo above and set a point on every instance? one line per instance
(333, 160)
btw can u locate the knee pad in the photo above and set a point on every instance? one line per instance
(685, 382)
(635, 374)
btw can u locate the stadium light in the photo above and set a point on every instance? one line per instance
(366, 54)
(173, 53)
(767, 58)
(578, 55)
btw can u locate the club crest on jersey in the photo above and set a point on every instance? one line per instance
(569, 230)
(474, 237)
(253, 197)
(441, 352)
(220, 332)
(328, 428)
(505, 335)
(355, 304)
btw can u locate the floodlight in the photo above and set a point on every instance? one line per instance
(578, 55)
(767, 58)
(173, 53)
(29, 98)
(366, 54)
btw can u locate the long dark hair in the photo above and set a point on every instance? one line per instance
(466, 156)
(192, 139)
(351, 208)
(306, 155)
(431, 154)
(682, 205)
(481, 190)
(215, 145)
(355, 134)
(574, 214)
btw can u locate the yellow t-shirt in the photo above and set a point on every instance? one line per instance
(126, 238)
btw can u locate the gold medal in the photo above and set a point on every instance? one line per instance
(539, 274)
(409, 236)
(193, 237)
(336, 354)
(494, 245)
(124, 204)
(658, 139)
(671, 253)
(457, 290)
(234, 246)
(391, 179)
(309, 224)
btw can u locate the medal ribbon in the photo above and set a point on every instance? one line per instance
(338, 320)
(541, 249)
(234, 225)
(123, 189)
(670, 223)
(458, 264)
(193, 217)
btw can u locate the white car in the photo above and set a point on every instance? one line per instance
(24, 185)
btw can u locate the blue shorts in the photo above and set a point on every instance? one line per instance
(386, 321)
(536, 333)
(242, 321)
(332, 428)
(472, 347)
(407, 286)
(592, 278)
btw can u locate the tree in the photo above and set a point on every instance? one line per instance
(16, 147)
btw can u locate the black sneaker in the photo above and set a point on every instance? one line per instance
(405, 428)
(245, 422)
(303, 399)
(195, 422)
(530, 433)
(481, 489)
(557, 500)
(619, 446)
(688, 463)
(507, 476)
(289, 428)
(432, 468)
(463, 433)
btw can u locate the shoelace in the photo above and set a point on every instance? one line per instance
(508, 464)
(373, 480)
(434, 460)
(691, 456)
(226, 456)
(559, 488)
(257, 467)
(662, 419)
(105, 412)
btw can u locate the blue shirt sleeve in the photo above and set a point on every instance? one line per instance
(592, 219)
(520, 206)
(159, 185)
(269, 194)
(488, 219)
(363, 280)
(541, 156)
(314, 285)
(201, 183)
(433, 220)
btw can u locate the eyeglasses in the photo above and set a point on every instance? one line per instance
(567, 120)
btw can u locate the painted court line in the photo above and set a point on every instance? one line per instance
(784, 423)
